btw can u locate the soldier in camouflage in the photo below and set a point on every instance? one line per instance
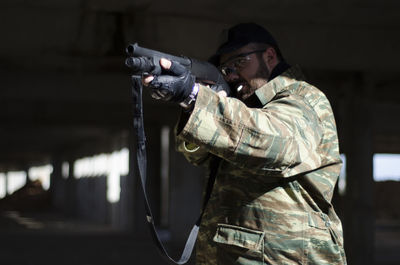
(277, 140)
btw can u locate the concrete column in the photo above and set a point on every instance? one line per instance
(121, 213)
(27, 180)
(128, 189)
(359, 216)
(6, 183)
(57, 185)
(70, 189)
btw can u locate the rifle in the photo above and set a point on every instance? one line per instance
(147, 62)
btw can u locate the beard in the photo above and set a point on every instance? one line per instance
(243, 89)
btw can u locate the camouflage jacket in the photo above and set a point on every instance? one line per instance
(271, 202)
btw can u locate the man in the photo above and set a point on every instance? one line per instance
(277, 140)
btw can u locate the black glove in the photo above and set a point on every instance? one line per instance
(174, 87)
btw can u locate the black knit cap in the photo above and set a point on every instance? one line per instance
(241, 35)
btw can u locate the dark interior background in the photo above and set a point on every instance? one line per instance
(65, 95)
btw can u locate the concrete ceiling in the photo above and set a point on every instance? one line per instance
(64, 90)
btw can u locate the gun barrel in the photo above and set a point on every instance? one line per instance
(137, 51)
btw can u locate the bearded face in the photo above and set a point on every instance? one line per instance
(245, 70)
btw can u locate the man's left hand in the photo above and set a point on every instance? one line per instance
(175, 86)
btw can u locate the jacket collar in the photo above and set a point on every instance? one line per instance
(278, 83)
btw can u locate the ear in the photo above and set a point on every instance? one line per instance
(270, 57)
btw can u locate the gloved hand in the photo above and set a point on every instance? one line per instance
(175, 86)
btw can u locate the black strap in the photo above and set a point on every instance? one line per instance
(138, 125)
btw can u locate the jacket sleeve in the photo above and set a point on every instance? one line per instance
(195, 154)
(263, 141)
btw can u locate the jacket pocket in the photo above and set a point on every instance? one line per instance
(239, 236)
(324, 243)
(238, 245)
(321, 221)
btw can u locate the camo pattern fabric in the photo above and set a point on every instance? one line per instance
(271, 202)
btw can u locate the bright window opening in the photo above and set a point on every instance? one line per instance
(386, 167)
(15, 180)
(65, 170)
(164, 174)
(342, 176)
(111, 165)
(3, 185)
(42, 174)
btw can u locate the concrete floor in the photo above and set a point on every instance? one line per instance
(387, 242)
(50, 238)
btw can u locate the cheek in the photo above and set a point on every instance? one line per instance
(247, 74)
(250, 71)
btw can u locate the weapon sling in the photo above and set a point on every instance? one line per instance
(138, 125)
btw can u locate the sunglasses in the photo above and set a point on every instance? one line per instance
(236, 63)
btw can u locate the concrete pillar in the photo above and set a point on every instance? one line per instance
(6, 183)
(121, 213)
(129, 189)
(359, 216)
(57, 185)
(70, 190)
(27, 179)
